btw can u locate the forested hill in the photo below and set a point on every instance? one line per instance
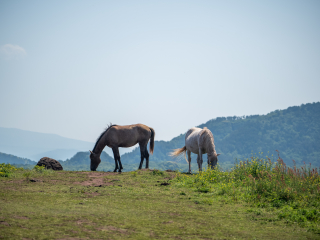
(81, 161)
(294, 132)
(8, 158)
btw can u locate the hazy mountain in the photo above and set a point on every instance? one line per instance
(8, 158)
(294, 132)
(81, 161)
(34, 145)
(58, 154)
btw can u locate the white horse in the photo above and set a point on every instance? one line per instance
(198, 141)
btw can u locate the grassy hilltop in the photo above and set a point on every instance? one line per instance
(256, 200)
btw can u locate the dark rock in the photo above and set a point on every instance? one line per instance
(165, 184)
(50, 163)
(35, 180)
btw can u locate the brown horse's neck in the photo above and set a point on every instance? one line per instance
(100, 144)
(99, 147)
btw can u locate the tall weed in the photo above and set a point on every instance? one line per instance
(6, 170)
(294, 192)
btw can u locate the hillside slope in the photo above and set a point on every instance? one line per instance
(8, 158)
(294, 132)
(81, 161)
(34, 145)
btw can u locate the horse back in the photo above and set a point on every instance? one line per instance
(206, 141)
(192, 139)
(128, 135)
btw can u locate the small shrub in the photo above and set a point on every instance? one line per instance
(7, 169)
(156, 172)
(39, 169)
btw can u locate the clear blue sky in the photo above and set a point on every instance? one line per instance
(72, 67)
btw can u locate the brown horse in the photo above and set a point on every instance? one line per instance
(123, 136)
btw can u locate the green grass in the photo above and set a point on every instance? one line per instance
(271, 188)
(132, 205)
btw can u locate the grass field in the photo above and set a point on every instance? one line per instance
(145, 204)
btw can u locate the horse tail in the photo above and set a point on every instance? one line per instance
(151, 147)
(179, 151)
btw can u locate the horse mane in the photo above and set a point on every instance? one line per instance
(101, 135)
(208, 138)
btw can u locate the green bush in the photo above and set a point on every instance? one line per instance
(39, 169)
(6, 169)
(157, 172)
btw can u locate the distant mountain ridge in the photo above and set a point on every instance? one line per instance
(8, 158)
(34, 145)
(294, 132)
(81, 161)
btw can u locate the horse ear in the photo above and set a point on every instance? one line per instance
(218, 154)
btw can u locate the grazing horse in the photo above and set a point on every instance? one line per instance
(198, 141)
(123, 136)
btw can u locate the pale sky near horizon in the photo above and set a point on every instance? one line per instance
(72, 67)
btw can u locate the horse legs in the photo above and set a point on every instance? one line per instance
(200, 161)
(189, 160)
(120, 165)
(142, 155)
(146, 154)
(116, 156)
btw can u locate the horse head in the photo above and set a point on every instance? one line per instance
(213, 159)
(95, 161)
